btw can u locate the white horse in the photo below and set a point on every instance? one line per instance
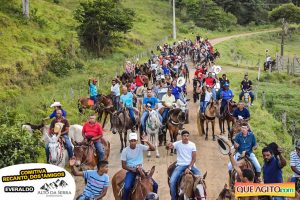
(153, 126)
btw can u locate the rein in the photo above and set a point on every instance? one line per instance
(60, 155)
(86, 159)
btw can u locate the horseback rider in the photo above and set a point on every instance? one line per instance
(62, 132)
(226, 95)
(246, 141)
(175, 90)
(210, 82)
(208, 96)
(268, 61)
(186, 158)
(139, 80)
(241, 113)
(115, 90)
(246, 86)
(132, 158)
(93, 90)
(167, 101)
(57, 106)
(92, 131)
(295, 161)
(222, 80)
(149, 103)
(126, 100)
(97, 181)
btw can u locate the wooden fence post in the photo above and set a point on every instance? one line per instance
(293, 131)
(283, 120)
(263, 100)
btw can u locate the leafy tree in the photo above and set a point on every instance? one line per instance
(289, 12)
(102, 22)
(206, 13)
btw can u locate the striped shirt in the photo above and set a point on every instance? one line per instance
(295, 162)
(95, 183)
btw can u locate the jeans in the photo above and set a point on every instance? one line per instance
(250, 93)
(176, 175)
(144, 118)
(94, 98)
(116, 101)
(129, 183)
(223, 104)
(214, 95)
(165, 114)
(203, 105)
(252, 158)
(131, 115)
(68, 147)
(279, 198)
(100, 150)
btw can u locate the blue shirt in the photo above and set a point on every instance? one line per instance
(127, 99)
(64, 114)
(134, 157)
(244, 113)
(246, 143)
(272, 171)
(226, 94)
(93, 90)
(166, 70)
(95, 183)
(176, 91)
(151, 100)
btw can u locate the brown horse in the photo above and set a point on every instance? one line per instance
(121, 123)
(210, 114)
(143, 185)
(190, 186)
(105, 106)
(86, 103)
(175, 123)
(85, 155)
(226, 194)
(227, 116)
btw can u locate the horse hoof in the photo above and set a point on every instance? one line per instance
(206, 138)
(148, 156)
(171, 154)
(214, 139)
(157, 156)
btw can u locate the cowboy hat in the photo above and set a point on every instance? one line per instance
(223, 145)
(180, 81)
(55, 104)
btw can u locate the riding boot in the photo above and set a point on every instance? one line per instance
(257, 177)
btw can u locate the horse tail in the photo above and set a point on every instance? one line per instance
(79, 106)
(199, 126)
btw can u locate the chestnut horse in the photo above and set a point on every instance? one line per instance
(105, 106)
(227, 116)
(175, 123)
(142, 188)
(86, 103)
(85, 155)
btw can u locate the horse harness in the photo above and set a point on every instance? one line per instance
(61, 155)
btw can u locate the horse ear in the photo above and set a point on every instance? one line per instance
(204, 176)
(152, 171)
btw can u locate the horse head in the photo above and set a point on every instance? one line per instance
(55, 149)
(200, 187)
(154, 119)
(146, 184)
(186, 186)
(114, 122)
(80, 153)
(225, 194)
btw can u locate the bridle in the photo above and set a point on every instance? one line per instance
(87, 147)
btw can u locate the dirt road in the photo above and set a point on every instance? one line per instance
(208, 156)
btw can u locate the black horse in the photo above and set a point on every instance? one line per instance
(272, 64)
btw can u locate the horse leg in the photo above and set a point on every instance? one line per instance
(206, 132)
(213, 129)
(105, 116)
(125, 137)
(156, 144)
(171, 138)
(151, 140)
(121, 139)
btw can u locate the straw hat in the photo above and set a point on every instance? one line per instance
(223, 145)
(55, 104)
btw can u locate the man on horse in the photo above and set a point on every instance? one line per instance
(115, 90)
(149, 103)
(246, 86)
(226, 95)
(139, 80)
(186, 158)
(93, 90)
(246, 141)
(97, 181)
(211, 82)
(92, 131)
(167, 101)
(132, 158)
(222, 80)
(126, 101)
(57, 106)
(241, 113)
(63, 132)
(176, 91)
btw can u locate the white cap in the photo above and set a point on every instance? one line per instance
(132, 136)
(55, 104)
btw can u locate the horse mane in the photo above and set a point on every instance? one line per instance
(35, 127)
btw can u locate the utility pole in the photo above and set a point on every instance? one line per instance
(283, 34)
(174, 21)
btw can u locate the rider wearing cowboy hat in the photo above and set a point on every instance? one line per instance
(57, 106)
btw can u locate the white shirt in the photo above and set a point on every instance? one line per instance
(295, 162)
(208, 96)
(169, 100)
(134, 157)
(115, 89)
(184, 152)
